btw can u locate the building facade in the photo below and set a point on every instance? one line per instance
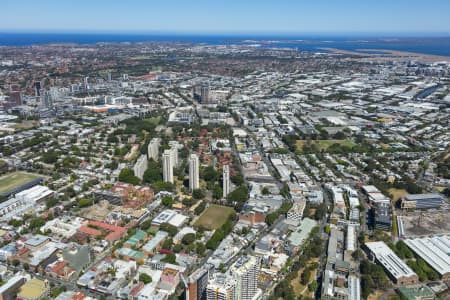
(140, 167)
(153, 149)
(167, 166)
(193, 172)
(226, 180)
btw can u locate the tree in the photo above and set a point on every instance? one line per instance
(189, 201)
(51, 202)
(200, 249)
(210, 174)
(200, 208)
(36, 223)
(283, 290)
(49, 157)
(402, 250)
(127, 175)
(167, 201)
(313, 286)
(340, 135)
(239, 195)
(357, 255)
(219, 235)
(305, 277)
(152, 175)
(167, 244)
(163, 186)
(271, 218)
(177, 248)
(188, 238)
(145, 278)
(170, 258)
(170, 229)
(198, 194)
(265, 191)
(321, 211)
(237, 179)
(217, 192)
(84, 202)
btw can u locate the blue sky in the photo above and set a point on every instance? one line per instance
(228, 16)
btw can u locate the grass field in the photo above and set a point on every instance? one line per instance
(214, 216)
(14, 180)
(324, 144)
(397, 193)
(300, 289)
(153, 121)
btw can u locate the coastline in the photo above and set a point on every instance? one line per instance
(385, 54)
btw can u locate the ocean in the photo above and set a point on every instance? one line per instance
(432, 46)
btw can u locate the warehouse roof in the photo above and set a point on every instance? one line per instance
(390, 261)
(435, 251)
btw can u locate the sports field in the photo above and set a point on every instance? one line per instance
(214, 216)
(397, 193)
(324, 144)
(13, 180)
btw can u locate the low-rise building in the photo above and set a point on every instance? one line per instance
(396, 268)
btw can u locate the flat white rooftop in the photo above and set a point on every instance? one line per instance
(434, 250)
(390, 261)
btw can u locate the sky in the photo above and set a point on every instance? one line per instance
(407, 17)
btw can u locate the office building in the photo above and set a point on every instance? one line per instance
(221, 287)
(153, 149)
(14, 99)
(140, 167)
(201, 94)
(245, 271)
(37, 88)
(174, 155)
(86, 83)
(46, 100)
(226, 180)
(396, 268)
(382, 215)
(193, 172)
(197, 283)
(167, 166)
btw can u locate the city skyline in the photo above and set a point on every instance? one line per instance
(230, 17)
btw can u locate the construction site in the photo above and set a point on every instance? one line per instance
(420, 224)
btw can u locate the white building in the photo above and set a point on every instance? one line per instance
(140, 167)
(295, 214)
(222, 287)
(396, 268)
(24, 201)
(193, 172)
(435, 251)
(226, 181)
(167, 166)
(63, 228)
(245, 271)
(153, 149)
(174, 156)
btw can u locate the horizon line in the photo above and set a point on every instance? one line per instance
(399, 34)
